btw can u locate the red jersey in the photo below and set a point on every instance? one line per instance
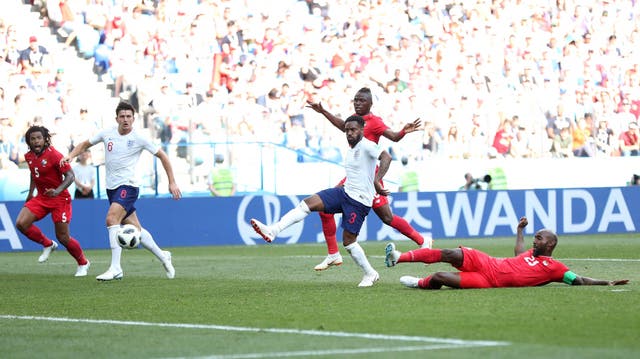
(525, 270)
(374, 127)
(46, 171)
(480, 270)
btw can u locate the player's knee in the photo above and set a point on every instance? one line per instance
(22, 225)
(386, 218)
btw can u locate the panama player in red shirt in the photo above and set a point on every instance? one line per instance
(529, 268)
(374, 129)
(51, 179)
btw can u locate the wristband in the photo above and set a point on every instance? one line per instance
(569, 277)
(402, 133)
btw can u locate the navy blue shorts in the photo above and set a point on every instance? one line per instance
(125, 196)
(353, 212)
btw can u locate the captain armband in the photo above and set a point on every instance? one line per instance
(569, 277)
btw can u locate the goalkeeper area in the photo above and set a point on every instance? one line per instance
(268, 302)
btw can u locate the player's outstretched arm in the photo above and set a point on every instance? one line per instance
(590, 281)
(408, 128)
(81, 147)
(519, 247)
(317, 107)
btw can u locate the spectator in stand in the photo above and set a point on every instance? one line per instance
(605, 140)
(563, 144)
(502, 139)
(629, 145)
(85, 178)
(582, 140)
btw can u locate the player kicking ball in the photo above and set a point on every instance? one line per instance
(353, 200)
(528, 268)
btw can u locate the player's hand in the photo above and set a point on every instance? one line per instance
(64, 161)
(50, 192)
(316, 106)
(412, 126)
(380, 189)
(523, 222)
(175, 191)
(619, 282)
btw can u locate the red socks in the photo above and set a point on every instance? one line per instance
(73, 247)
(329, 230)
(35, 234)
(405, 228)
(424, 283)
(424, 255)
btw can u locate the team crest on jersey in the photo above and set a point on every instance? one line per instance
(130, 143)
(43, 162)
(356, 154)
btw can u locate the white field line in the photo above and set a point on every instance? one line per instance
(308, 353)
(406, 338)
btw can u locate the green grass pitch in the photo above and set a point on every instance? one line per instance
(267, 302)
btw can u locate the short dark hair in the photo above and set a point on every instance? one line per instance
(367, 92)
(123, 105)
(355, 118)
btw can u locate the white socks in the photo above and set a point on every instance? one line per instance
(358, 255)
(116, 250)
(295, 215)
(146, 239)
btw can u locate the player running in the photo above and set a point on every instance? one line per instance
(50, 178)
(123, 147)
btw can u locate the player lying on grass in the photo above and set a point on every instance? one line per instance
(528, 268)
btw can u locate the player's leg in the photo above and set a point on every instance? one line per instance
(434, 281)
(295, 215)
(115, 214)
(147, 241)
(329, 229)
(354, 215)
(425, 255)
(73, 247)
(383, 211)
(30, 213)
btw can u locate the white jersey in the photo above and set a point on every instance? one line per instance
(360, 165)
(121, 155)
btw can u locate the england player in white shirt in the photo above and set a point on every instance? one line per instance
(353, 200)
(123, 147)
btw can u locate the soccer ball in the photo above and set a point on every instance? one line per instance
(128, 236)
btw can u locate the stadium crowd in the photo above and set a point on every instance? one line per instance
(488, 78)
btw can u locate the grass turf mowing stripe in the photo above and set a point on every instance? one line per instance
(264, 330)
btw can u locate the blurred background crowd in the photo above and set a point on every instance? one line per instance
(489, 79)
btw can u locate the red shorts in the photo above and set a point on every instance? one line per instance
(59, 207)
(378, 200)
(476, 269)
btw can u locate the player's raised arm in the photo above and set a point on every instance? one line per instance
(336, 121)
(408, 128)
(519, 247)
